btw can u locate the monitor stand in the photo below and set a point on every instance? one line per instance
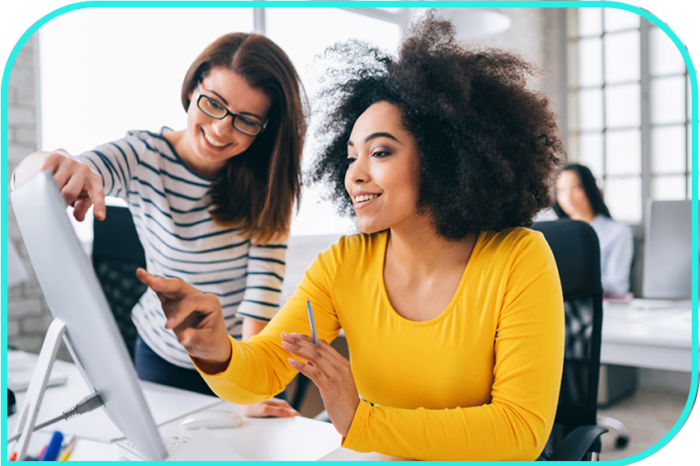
(37, 387)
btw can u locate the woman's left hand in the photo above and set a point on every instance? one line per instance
(274, 407)
(330, 372)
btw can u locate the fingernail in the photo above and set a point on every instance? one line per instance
(285, 334)
(286, 343)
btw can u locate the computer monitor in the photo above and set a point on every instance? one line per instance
(74, 296)
(667, 250)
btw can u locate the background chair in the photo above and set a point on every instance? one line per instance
(576, 435)
(116, 254)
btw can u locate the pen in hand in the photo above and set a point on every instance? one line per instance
(312, 322)
(310, 310)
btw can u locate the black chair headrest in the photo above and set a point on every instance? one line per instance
(577, 253)
(115, 237)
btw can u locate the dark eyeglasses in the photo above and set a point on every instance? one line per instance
(215, 109)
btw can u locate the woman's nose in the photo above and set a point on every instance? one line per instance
(223, 126)
(357, 171)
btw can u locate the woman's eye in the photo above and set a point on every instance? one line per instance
(380, 154)
(215, 104)
(246, 122)
(351, 160)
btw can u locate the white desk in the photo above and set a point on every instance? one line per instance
(298, 438)
(649, 337)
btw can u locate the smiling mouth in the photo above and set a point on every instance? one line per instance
(365, 198)
(211, 141)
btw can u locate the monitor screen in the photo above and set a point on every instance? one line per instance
(74, 296)
(667, 250)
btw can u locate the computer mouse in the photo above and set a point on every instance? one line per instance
(212, 420)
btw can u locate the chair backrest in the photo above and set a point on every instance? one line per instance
(116, 254)
(577, 253)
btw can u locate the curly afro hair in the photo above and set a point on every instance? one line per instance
(489, 145)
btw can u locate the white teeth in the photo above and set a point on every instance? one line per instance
(211, 141)
(366, 197)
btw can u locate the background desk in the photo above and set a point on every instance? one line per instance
(653, 338)
(298, 438)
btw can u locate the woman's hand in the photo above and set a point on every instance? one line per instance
(274, 407)
(80, 186)
(196, 319)
(330, 372)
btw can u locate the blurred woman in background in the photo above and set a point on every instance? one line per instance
(578, 198)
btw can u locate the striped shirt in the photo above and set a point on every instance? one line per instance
(170, 204)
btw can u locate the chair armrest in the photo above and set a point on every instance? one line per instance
(579, 441)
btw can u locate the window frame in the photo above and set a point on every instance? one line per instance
(573, 131)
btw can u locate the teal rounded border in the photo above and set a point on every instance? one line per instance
(355, 4)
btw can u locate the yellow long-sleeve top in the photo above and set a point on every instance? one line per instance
(478, 382)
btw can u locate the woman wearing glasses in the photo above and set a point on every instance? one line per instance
(212, 203)
(452, 311)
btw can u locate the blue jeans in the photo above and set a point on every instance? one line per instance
(153, 368)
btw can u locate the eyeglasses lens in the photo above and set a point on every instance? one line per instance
(240, 122)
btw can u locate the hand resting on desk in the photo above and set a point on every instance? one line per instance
(199, 325)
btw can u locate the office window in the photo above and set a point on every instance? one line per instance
(636, 150)
(670, 119)
(98, 82)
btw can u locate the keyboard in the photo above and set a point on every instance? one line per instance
(129, 452)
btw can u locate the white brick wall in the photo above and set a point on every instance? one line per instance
(28, 316)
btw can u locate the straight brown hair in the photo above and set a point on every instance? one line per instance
(259, 186)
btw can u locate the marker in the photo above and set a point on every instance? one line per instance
(310, 310)
(53, 448)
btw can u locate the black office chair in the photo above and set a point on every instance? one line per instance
(576, 436)
(116, 254)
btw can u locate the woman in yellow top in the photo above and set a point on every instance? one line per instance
(452, 310)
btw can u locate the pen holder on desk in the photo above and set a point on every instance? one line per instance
(37, 387)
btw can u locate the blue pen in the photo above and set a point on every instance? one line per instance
(310, 310)
(54, 447)
(312, 322)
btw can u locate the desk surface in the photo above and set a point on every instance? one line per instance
(656, 338)
(649, 334)
(297, 439)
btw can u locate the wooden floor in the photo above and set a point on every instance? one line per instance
(649, 415)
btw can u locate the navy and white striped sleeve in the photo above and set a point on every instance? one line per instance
(116, 162)
(266, 264)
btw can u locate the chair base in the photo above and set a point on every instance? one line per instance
(623, 435)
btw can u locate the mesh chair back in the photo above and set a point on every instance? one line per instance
(116, 254)
(577, 253)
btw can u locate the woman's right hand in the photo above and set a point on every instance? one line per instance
(196, 318)
(80, 186)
